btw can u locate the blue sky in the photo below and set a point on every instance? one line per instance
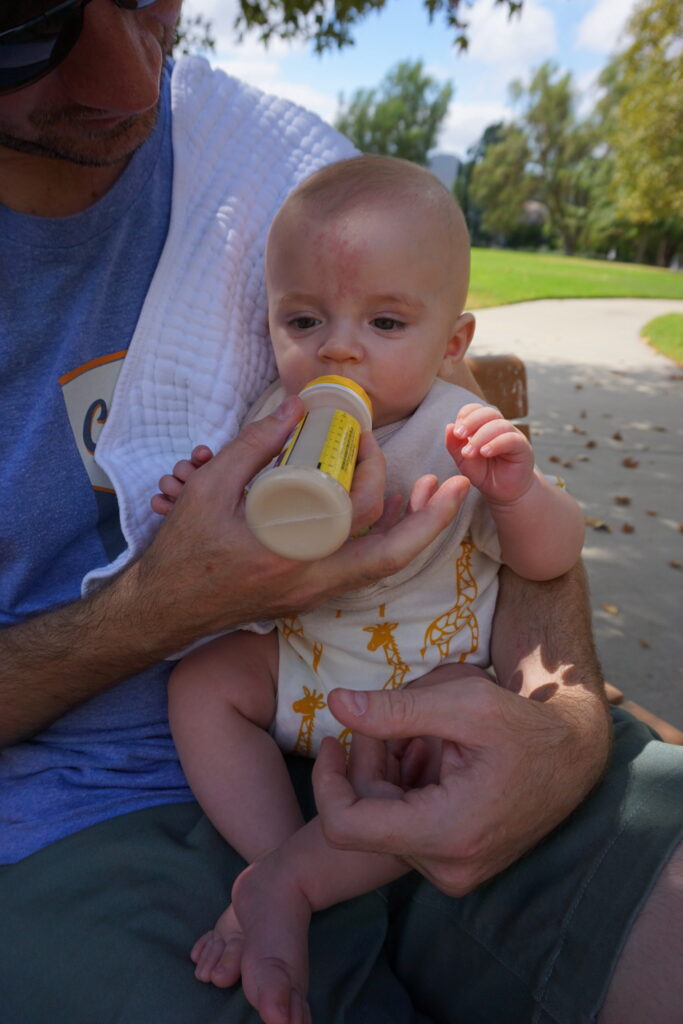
(579, 35)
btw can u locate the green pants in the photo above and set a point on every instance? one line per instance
(96, 928)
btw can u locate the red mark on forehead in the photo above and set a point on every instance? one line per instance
(340, 251)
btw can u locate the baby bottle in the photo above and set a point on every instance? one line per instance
(300, 508)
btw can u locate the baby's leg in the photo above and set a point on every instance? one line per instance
(273, 901)
(221, 701)
(274, 898)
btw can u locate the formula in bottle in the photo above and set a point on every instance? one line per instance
(300, 507)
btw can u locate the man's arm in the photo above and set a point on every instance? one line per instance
(516, 759)
(204, 572)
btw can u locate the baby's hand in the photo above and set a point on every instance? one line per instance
(492, 453)
(171, 484)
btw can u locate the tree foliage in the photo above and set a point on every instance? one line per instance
(401, 117)
(643, 117)
(462, 186)
(330, 26)
(193, 34)
(547, 154)
(500, 183)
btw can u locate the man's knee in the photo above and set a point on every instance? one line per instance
(647, 984)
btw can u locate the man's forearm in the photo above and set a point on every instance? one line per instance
(55, 661)
(542, 648)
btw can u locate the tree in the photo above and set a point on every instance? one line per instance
(501, 184)
(643, 117)
(330, 25)
(546, 154)
(462, 186)
(401, 117)
(193, 34)
(562, 151)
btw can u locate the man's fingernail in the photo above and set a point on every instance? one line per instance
(356, 700)
(285, 408)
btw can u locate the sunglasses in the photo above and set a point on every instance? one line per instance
(36, 47)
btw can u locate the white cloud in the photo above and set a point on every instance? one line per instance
(252, 62)
(465, 124)
(599, 31)
(510, 46)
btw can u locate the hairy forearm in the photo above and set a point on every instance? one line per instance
(542, 648)
(55, 661)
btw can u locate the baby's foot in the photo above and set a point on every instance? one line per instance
(171, 484)
(263, 936)
(218, 953)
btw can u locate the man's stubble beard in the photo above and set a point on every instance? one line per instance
(95, 150)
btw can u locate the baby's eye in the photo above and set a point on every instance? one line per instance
(304, 323)
(387, 323)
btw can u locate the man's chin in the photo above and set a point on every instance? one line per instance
(88, 144)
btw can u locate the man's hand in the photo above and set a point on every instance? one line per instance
(206, 556)
(515, 759)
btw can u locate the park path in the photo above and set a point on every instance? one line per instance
(606, 413)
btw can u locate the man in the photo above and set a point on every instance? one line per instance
(133, 206)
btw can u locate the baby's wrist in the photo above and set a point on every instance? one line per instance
(525, 494)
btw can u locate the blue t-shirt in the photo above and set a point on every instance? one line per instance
(71, 291)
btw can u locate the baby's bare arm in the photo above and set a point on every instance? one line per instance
(540, 526)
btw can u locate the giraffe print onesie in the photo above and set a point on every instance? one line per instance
(438, 609)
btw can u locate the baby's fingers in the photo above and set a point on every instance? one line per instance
(508, 442)
(496, 438)
(472, 417)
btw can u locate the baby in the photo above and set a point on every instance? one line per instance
(367, 267)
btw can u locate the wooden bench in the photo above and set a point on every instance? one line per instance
(502, 380)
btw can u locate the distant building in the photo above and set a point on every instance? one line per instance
(445, 166)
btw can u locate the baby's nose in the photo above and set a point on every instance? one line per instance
(340, 345)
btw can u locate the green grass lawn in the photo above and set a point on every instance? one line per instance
(500, 276)
(665, 333)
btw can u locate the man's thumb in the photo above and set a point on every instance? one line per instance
(392, 714)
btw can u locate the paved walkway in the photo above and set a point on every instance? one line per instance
(606, 412)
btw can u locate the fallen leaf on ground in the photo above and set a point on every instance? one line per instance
(583, 458)
(591, 444)
(554, 458)
(568, 464)
(583, 414)
(621, 499)
(627, 528)
(630, 462)
(611, 609)
(617, 436)
(651, 512)
(578, 387)
(676, 565)
(643, 643)
(661, 430)
(598, 524)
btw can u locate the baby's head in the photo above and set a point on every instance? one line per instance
(367, 270)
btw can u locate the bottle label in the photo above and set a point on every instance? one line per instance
(327, 439)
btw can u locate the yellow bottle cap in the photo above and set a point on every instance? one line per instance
(342, 382)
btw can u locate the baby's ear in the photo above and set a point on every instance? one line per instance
(458, 343)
